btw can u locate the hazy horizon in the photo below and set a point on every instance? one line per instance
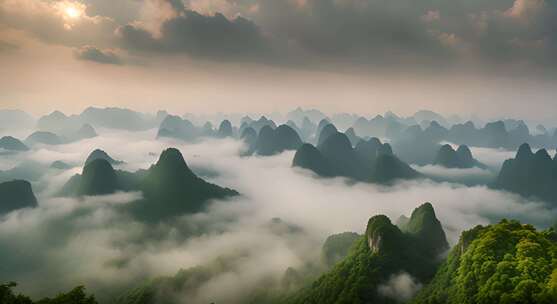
(67, 55)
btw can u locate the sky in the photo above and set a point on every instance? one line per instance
(490, 58)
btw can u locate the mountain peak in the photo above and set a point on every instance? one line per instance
(424, 224)
(382, 236)
(308, 157)
(542, 155)
(337, 143)
(327, 130)
(225, 129)
(465, 154)
(15, 195)
(100, 154)
(171, 157)
(98, 178)
(12, 143)
(524, 152)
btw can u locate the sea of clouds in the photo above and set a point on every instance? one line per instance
(87, 241)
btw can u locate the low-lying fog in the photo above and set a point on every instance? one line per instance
(67, 242)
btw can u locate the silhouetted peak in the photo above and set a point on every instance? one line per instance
(172, 158)
(326, 131)
(385, 149)
(12, 143)
(225, 129)
(98, 178)
(44, 137)
(542, 155)
(374, 141)
(171, 119)
(361, 120)
(368, 148)
(446, 149)
(336, 142)
(465, 155)
(285, 129)
(248, 132)
(388, 168)
(308, 157)
(15, 195)
(469, 124)
(524, 152)
(263, 119)
(266, 131)
(496, 126)
(323, 122)
(449, 158)
(100, 154)
(57, 115)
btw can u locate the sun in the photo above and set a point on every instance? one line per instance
(72, 12)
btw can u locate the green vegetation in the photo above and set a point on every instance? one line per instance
(504, 263)
(98, 178)
(170, 187)
(75, 296)
(384, 251)
(337, 247)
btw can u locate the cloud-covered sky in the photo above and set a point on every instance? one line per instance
(197, 55)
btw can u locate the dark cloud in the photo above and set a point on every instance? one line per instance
(402, 31)
(186, 31)
(91, 53)
(317, 32)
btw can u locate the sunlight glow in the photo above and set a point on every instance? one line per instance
(72, 12)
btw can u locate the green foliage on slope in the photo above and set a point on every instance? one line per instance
(503, 263)
(384, 251)
(75, 296)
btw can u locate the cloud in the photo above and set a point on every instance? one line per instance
(91, 53)
(50, 21)
(67, 241)
(471, 176)
(174, 29)
(318, 33)
(525, 8)
(401, 287)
